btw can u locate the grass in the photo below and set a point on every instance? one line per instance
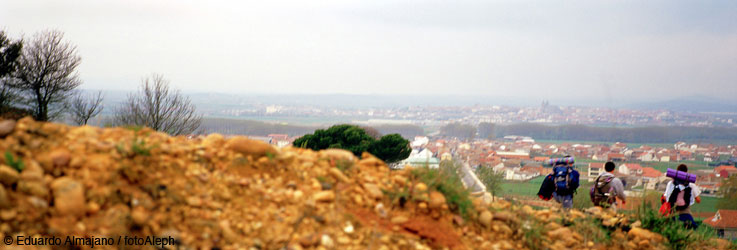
(532, 186)
(446, 180)
(343, 165)
(663, 166)
(708, 204)
(679, 237)
(582, 199)
(533, 234)
(399, 197)
(11, 161)
(592, 230)
(526, 188)
(137, 147)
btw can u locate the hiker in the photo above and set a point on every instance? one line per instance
(681, 195)
(561, 183)
(607, 188)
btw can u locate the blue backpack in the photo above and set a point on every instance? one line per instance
(566, 180)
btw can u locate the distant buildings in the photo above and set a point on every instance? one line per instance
(513, 155)
(630, 169)
(725, 171)
(517, 138)
(420, 158)
(595, 169)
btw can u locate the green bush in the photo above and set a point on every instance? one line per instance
(447, 181)
(389, 148)
(492, 179)
(679, 237)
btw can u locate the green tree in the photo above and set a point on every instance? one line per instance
(348, 137)
(459, 130)
(389, 148)
(729, 193)
(491, 179)
(9, 55)
(486, 130)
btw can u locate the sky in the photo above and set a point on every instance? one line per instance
(610, 51)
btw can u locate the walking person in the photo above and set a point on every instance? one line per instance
(681, 195)
(562, 183)
(608, 189)
(565, 178)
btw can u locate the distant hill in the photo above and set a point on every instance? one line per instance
(690, 104)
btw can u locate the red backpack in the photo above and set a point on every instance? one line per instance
(679, 199)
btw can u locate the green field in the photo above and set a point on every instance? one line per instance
(530, 188)
(663, 166)
(660, 166)
(526, 188)
(708, 204)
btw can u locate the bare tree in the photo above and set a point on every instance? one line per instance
(160, 108)
(83, 108)
(46, 75)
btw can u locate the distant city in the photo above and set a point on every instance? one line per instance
(434, 111)
(545, 113)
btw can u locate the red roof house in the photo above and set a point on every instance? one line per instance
(615, 157)
(725, 222)
(725, 171)
(541, 158)
(630, 169)
(649, 172)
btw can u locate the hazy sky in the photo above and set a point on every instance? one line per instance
(615, 50)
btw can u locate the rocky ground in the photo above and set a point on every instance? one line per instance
(239, 193)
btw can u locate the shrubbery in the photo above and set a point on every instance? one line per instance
(389, 148)
(679, 237)
(447, 181)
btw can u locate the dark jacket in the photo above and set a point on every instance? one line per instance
(547, 188)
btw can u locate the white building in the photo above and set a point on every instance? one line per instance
(421, 158)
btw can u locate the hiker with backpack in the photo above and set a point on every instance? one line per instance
(562, 183)
(680, 195)
(607, 188)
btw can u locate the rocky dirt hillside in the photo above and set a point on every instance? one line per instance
(238, 193)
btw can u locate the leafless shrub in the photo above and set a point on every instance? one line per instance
(160, 108)
(82, 108)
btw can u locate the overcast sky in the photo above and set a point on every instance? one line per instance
(628, 50)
